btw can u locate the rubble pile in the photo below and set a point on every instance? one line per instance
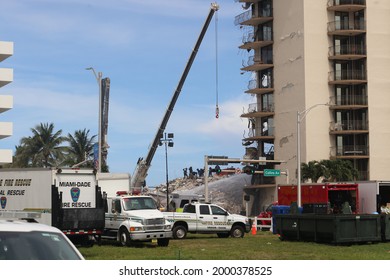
(226, 190)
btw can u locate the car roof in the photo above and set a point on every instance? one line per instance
(25, 226)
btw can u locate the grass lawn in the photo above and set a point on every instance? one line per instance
(262, 246)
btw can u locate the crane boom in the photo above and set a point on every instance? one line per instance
(143, 165)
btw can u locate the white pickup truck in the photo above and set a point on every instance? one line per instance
(131, 218)
(207, 218)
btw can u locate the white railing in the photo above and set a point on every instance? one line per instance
(260, 226)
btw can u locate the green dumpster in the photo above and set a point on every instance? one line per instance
(385, 227)
(336, 229)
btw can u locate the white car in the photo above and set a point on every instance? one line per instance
(24, 239)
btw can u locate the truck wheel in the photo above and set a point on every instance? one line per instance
(179, 232)
(163, 242)
(237, 231)
(124, 237)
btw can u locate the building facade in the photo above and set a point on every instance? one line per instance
(6, 101)
(323, 64)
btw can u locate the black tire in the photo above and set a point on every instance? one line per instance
(223, 234)
(237, 232)
(163, 242)
(124, 237)
(179, 232)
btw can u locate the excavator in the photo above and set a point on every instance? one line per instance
(143, 164)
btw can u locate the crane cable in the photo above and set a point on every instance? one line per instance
(216, 66)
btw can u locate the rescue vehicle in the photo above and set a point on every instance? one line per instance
(68, 199)
(207, 218)
(135, 218)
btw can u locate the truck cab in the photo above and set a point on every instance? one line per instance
(132, 218)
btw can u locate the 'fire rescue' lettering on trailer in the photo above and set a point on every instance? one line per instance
(15, 182)
(76, 205)
(12, 192)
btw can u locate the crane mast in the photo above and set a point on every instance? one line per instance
(143, 164)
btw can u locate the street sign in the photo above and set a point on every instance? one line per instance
(271, 172)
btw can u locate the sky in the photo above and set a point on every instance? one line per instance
(143, 47)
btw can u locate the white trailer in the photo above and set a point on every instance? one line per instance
(372, 195)
(111, 183)
(68, 199)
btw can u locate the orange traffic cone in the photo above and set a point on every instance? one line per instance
(254, 228)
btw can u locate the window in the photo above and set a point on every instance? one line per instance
(217, 210)
(184, 202)
(204, 210)
(189, 208)
(35, 245)
(139, 203)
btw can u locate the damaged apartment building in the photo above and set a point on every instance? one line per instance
(323, 64)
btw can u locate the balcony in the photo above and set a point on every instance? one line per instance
(5, 156)
(6, 76)
(6, 129)
(347, 77)
(250, 18)
(347, 52)
(6, 103)
(6, 50)
(250, 42)
(256, 111)
(266, 86)
(256, 134)
(350, 152)
(346, 5)
(256, 63)
(347, 27)
(363, 175)
(348, 102)
(348, 127)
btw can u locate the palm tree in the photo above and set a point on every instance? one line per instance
(42, 149)
(340, 170)
(332, 170)
(80, 147)
(312, 170)
(21, 157)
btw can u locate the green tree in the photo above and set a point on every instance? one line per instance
(21, 157)
(340, 170)
(332, 170)
(42, 149)
(80, 148)
(313, 170)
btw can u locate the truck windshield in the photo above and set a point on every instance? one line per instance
(139, 203)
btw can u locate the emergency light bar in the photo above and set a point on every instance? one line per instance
(19, 215)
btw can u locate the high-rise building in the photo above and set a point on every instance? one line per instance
(6, 101)
(323, 64)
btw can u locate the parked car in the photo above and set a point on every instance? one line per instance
(25, 239)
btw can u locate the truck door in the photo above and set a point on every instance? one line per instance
(113, 214)
(205, 219)
(220, 218)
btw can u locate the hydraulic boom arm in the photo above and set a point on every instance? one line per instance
(143, 165)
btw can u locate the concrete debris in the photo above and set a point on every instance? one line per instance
(225, 191)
